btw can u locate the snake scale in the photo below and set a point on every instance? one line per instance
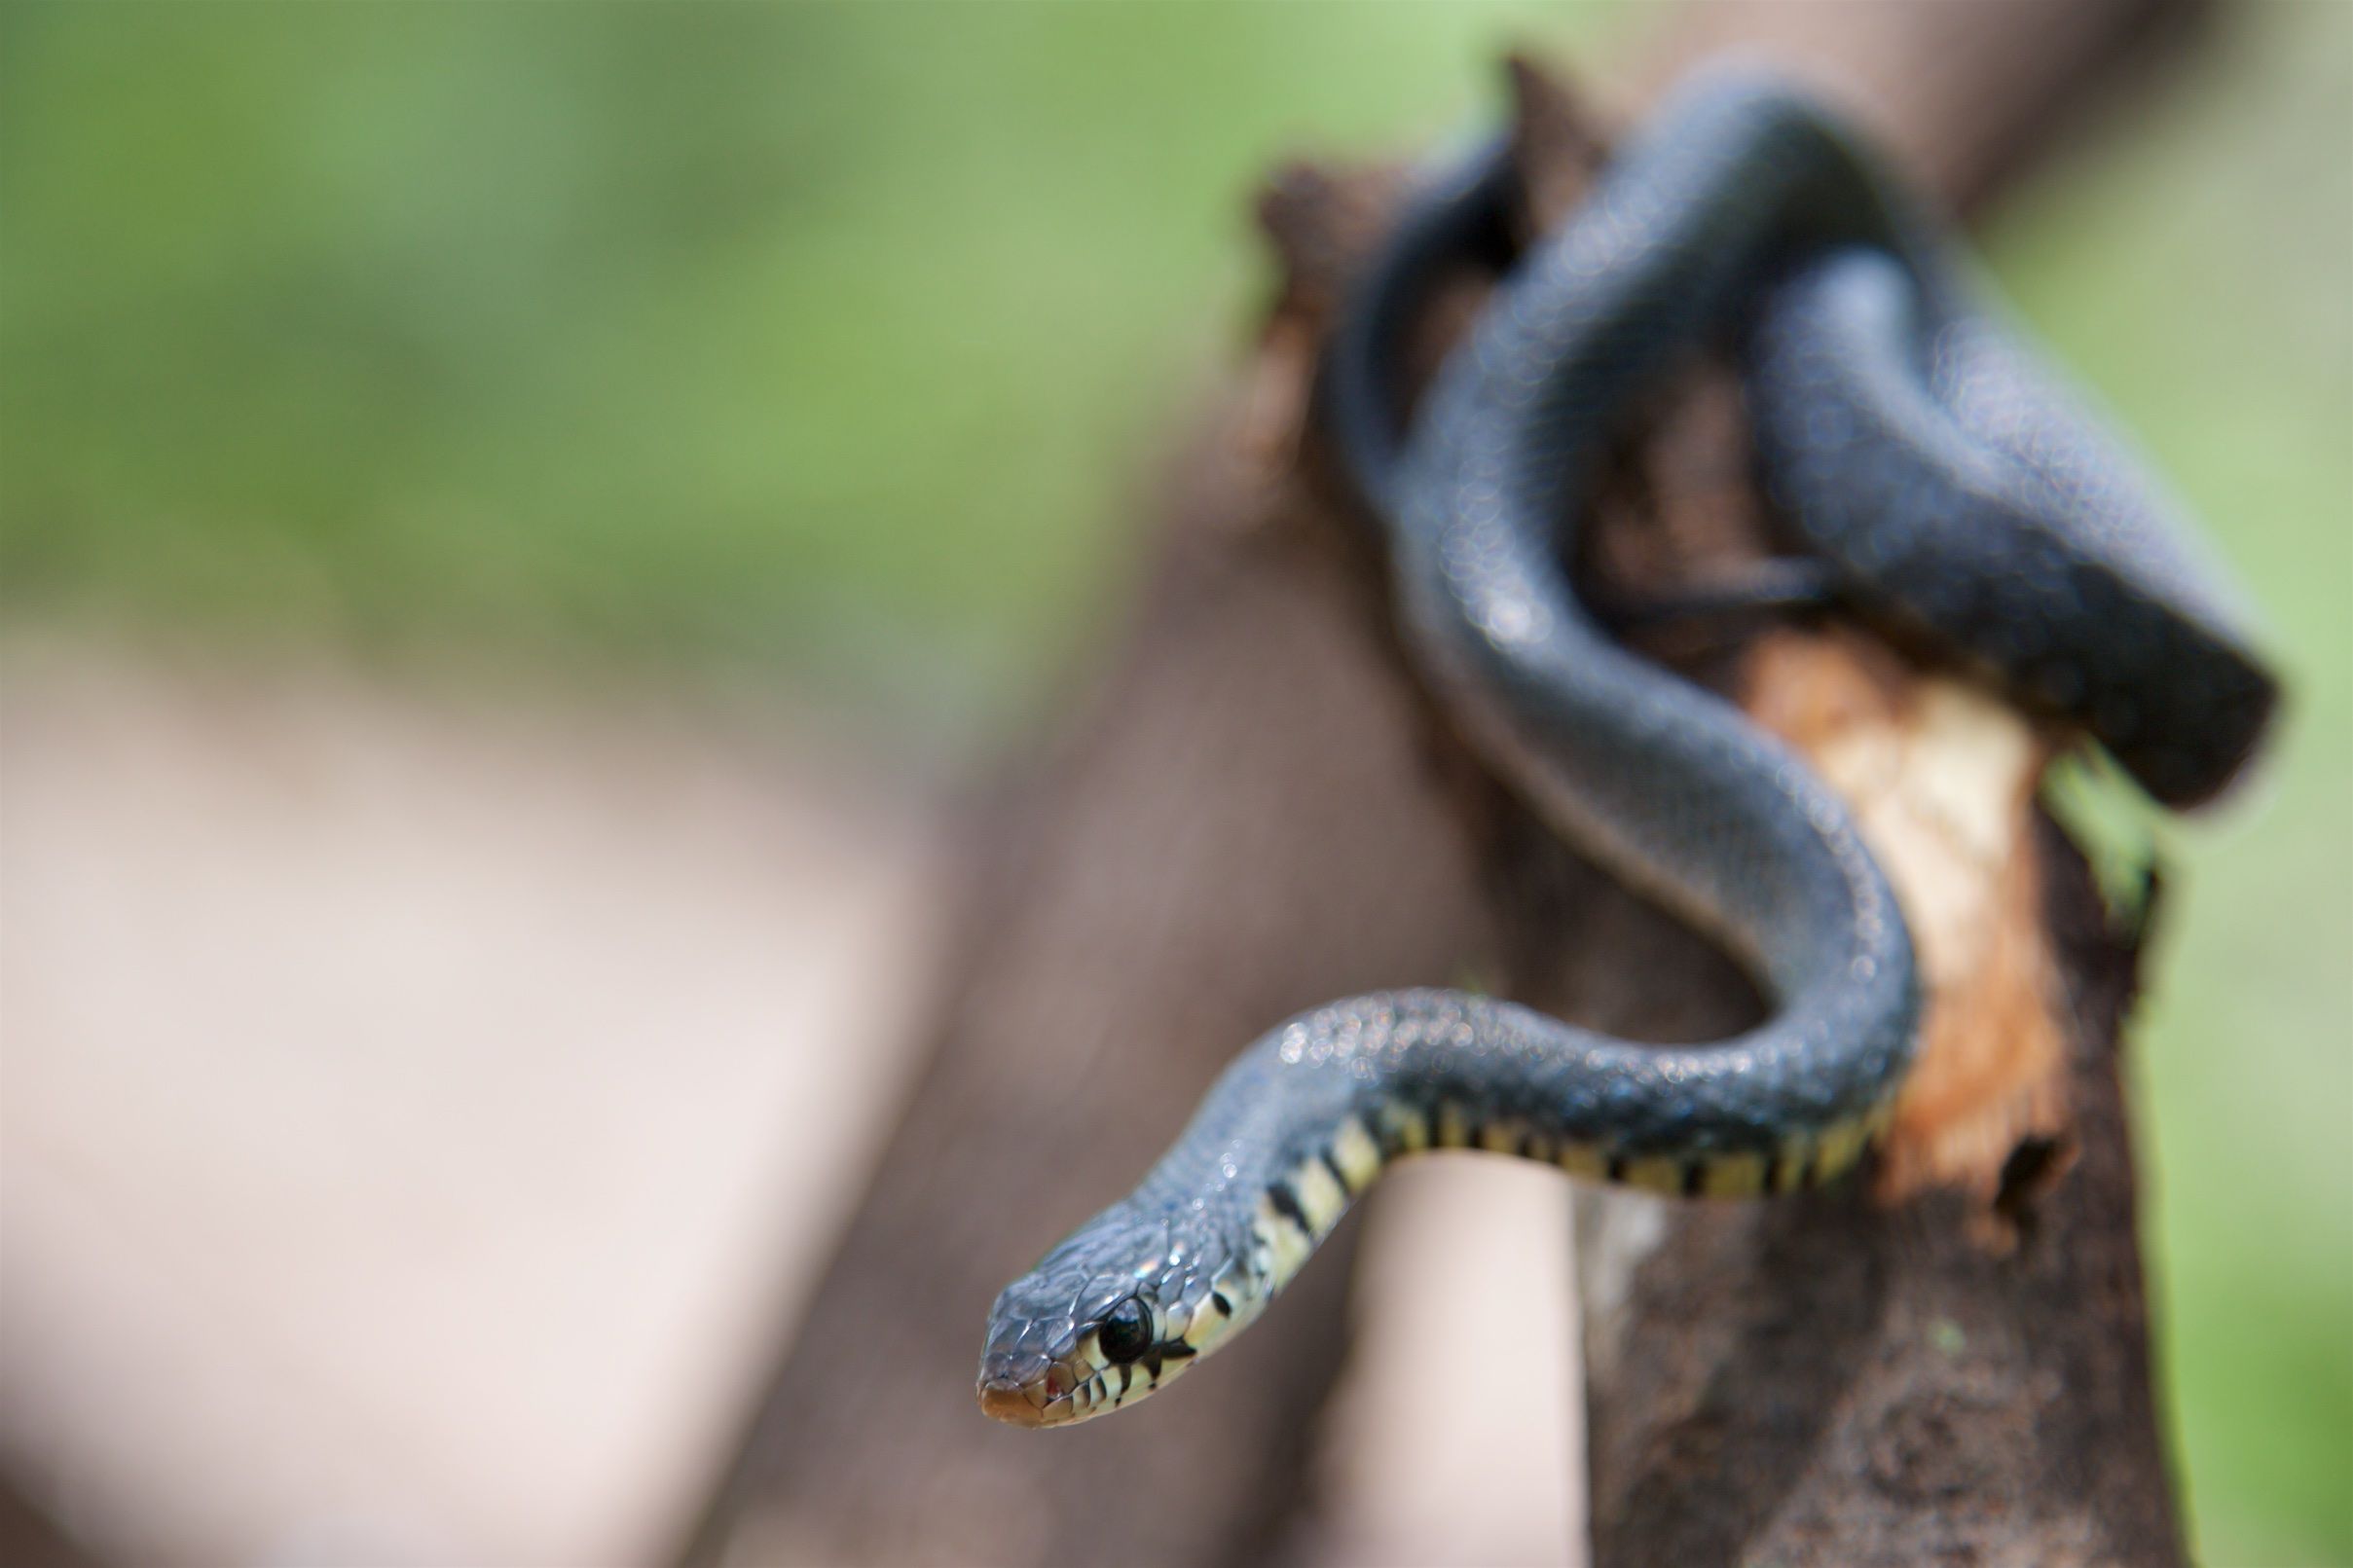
(1908, 443)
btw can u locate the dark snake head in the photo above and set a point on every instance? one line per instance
(1114, 1312)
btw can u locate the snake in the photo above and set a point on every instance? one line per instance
(1912, 447)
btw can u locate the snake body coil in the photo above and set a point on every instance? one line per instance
(1912, 447)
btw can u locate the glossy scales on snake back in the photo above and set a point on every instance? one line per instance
(1913, 443)
(1914, 448)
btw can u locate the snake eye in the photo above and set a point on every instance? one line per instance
(1125, 1332)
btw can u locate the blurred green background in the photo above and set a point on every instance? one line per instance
(717, 341)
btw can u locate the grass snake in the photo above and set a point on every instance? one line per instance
(1912, 448)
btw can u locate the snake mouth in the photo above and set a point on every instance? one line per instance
(1066, 1392)
(1015, 1405)
(1029, 1398)
(1032, 1407)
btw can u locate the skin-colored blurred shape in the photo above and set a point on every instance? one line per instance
(422, 1110)
(1456, 1435)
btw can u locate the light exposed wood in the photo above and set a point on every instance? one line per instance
(1943, 777)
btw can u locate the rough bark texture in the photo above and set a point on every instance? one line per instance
(1260, 811)
(1837, 1382)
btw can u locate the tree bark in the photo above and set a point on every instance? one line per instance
(1261, 810)
(1836, 1381)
